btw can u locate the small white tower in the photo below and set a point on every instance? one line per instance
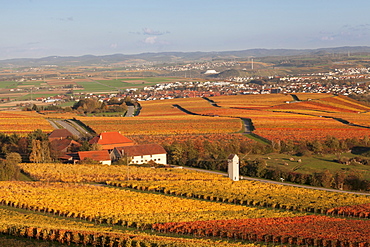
(233, 167)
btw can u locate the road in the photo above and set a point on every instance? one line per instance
(130, 111)
(277, 182)
(72, 127)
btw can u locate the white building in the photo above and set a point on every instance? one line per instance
(141, 154)
(233, 167)
(211, 72)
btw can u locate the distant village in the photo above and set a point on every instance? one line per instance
(339, 81)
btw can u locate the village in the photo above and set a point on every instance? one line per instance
(234, 86)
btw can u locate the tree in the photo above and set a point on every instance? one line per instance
(339, 179)
(287, 146)
(326, 179)
(40, 152)
(13, 158)
(9, 169)
(34, 108)
(332, 143)
(87, 105)
(96, 147)
(35, 155)
(254, 168)
(177, 153)
(85, 146)
(38, 135)
(317, 147)
(125, 160)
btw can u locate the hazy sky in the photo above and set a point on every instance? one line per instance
(38, 28)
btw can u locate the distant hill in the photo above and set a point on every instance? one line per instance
(171, 57)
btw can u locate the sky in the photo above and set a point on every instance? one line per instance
(40, 28)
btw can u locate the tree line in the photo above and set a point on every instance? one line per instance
(213, 155)
(89, 106)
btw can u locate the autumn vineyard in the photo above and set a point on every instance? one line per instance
(90, 204)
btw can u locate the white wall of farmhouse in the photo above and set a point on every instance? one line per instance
(157, 158)
(106, 162)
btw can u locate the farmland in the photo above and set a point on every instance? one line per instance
(122, 205)
(274, 117)
(23, 122)
(45, 83)
(160, 125)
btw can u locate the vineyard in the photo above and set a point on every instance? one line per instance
(274, 117)
(256, 193)
(182, 182)
(304, 230)
(167, 201)
(57, 172)
(163, 125)
(66, 231)
(23, 122)
(118, 205)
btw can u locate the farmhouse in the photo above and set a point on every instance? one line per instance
(141, 154)
(110, 140)
(64, 146)
(102, 156)
(60, 134)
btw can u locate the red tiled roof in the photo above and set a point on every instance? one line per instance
(94, 155)
(107, 138)
(62, 145)
(140, 150)
(60, 134)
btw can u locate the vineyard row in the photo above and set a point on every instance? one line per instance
(304, 230)
(105, 239)
(251, 202)
(81, 216)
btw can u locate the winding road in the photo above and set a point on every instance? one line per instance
(72, 127)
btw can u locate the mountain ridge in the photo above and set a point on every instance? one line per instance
(172, 57)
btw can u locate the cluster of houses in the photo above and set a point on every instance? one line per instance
(113, 147)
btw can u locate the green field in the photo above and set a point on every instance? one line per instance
(89, 86)
(9, 84)
(25, 84)
(135, 82)
(31, 83)
(35, 95)
(154, 79)
(118, 84)
(311, 164)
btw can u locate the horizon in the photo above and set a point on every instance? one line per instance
(160, 52)
(41, 28)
